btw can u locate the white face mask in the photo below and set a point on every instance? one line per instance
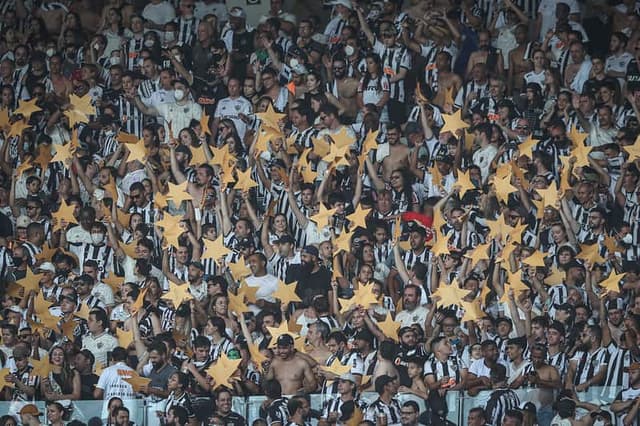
(96, 46)
(169, 37)
(97, 238)
(178, 94)
(349, 50)
(598, 422)
(293, 63)
(149, 43)
(114, 60)
(627, 239)
(50, 51)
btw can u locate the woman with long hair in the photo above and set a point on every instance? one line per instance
(374, 88)
(62, 384)
(55, 414)
(178, 396)
(220, 308)
(215, 331)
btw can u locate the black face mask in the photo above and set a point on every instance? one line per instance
(307, 267)
(17, 261)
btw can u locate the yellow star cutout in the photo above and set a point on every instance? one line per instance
(591, 253)
(137, 152)
(249, 292)
(526, 147)
(178, 193)
(4, 118)
(239, 269)
(535, 259)
(335, 369)
(40, 304)
(256, 357)
(27, 108)
(265, 135)
(448, 295)
(556, 277)
(453, 122)
(286, 293)
(576, 137)
(504, 187)
(168, 221)
(223, 370)
(41, 368)
(65, 212)
(441, 245)
(3, 381)
(358, 218)
(204, 123)
(214, 249)
(308, 175)
(64, 153)
(198, 155)
(322, 217)
(75, 117)
(633, 150)
(125, 338)
(128, 138)
(83, 312)
(472, 311)
(549, 195)
(342, 139)
(611, 244)
(270, 117)
(245, 183)
(478, 254)
(389, 327)
(320, 146)
(44, 156)
(82, 104)
(18, 128)
(343, 242)
(31, 282)
(136, 381)
(611, 284)
(581, 153)
(137, 305)
(237, 304)
(464, 182)
(276, 332)
(177, 294)
(370, 141)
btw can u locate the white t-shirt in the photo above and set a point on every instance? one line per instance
(479, 368)
(547, 11)
(160, 13)
(231, 108)
(417, 316)
(267, 285)
(180, 116)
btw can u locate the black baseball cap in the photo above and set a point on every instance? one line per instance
(285, 340)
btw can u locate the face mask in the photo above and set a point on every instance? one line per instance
(97, 238)
(169, 37)
(598, 422)
(50, 51)
(178, 94)
(114, 60)
(627, 239)
(178, 58)
(17, 261)
(293, 63)
(349, 50)
(149, 43)
(96, 46)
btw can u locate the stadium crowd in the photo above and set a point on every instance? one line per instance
(359, 198)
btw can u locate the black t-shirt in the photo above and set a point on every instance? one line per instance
(88, 383)
(633, 75)
(309, 285)
(6, 227)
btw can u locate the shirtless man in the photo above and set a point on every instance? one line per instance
(385, 363)
(577, 72)
(543, 375)
(392, 155)
(519, 60)
(486, 55)
(447, 80)
(341, 89)
(316, 335)
(293, 372)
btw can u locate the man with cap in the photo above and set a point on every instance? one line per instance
(179, 113)
(290, 369)
(97, 250)
(409, 348)
(614, 316)
(333, 30)
(333, 409)
(84, 287)
(602, 418)
(280, 259)
(385, 410)
(24, 382)
(626, 406)
(30, 415)
(418, 252)
(313, 279)
(363, 344)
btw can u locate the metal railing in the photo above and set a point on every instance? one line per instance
(459, 405)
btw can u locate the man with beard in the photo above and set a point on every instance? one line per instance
(614, 317)
(412, 312)
(392, 155)
(197, 285)
(343, 87)
(409, 348)
(199, 387)
(313, 279)
(418, 253)
(337, 344)
(627, 404)
(290, 370)
(159, 374)
(266, 283)
(588, 366)
(479, 376)
(486, 54)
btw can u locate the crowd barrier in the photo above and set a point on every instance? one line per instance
(459, 403)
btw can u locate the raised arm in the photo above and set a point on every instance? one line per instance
(365, 26)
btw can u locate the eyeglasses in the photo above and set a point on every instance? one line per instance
(24, 336)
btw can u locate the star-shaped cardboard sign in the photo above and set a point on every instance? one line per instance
(17, 128)
(370, 141)
(389, 327)
(270, 117)
(549, 195)
(577, 137)
(177, 294)
(82, 104)
(320, 146)
(137, 305)
(498, 228)
(286, 293)
(450, 294)
(44, 156)
(308, 175)
(363, 296)
(453, 122)
(249, 292)
(76, 117)
(64, 153)
(128, 138)
(441, 245)
(256, 356)
(322, 217)
(611, 284)
(27, 108)
(472, 311)
(198, 156)
(611, 244)
(581, 153)
(237, 303)
(264, 136)
(504, 187)
(65, 212)
(276, 332)
(245, 183)
(343, 242)
(169, 221)
(3, 381)
(31, 282)
(179, 193)
(591, 253)
(125, 338)
(535, 259)
(239, 269)
(214, 249)
(342, 139)
(356, 417)
(515, 282)
(41, 368)
(171, 236)
(358, 218)
(335, 369)
(478, 254)
(223, 370)
(83, 312)
(137, 152)
(4, 119)
(464, 182)
(67, 328)
(526, 147)
(633, 150)
(556, 277)
(136, 381)
(48, 320)
(204, 123)
(113, 281)
(336, 153)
